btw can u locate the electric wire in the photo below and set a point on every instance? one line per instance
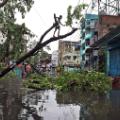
(40, 17)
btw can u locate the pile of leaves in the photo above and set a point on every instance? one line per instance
(37, 81)
(10, 75)
(83, 81)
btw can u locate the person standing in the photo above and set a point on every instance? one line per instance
(18, 71)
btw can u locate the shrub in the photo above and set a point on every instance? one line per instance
(83, 80)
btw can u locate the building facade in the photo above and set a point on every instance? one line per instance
(69, 54)
(105, 25)
(88, 30)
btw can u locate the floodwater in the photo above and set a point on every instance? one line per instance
(17, 103)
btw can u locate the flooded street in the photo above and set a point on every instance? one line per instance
(19, 104)
(43, 105)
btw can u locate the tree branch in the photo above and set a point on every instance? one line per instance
(3, 3)
(52, 39)
(37, 47)
(42, 37)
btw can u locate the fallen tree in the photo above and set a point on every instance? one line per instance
(39, 45)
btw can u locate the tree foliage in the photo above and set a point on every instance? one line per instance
(39, 46)
(75, 13)
(12, 31)
(7, 19)
(3, 2)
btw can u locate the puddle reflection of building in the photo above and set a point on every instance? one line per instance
(114, 113)
(31, 108)
(10, 100)
(1, 112)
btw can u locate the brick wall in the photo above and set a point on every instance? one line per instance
(106, 24)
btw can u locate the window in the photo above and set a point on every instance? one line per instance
(87, 42)
(88, 22)
(74, 57)
(83, 46)
(83, 57)
(68, 57)
(96, 33)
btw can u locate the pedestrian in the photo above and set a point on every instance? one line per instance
(28, 68)
(18, 71)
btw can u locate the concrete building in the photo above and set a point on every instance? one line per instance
(69, 54)
(88, 29)
(108, 39)
(105, 25)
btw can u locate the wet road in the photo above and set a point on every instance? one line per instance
(19, 104)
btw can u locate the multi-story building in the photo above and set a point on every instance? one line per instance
(107, 23)
(107, 42)
(88, 29)
(69, 54)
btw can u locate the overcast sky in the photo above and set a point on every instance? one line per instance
(40, 18)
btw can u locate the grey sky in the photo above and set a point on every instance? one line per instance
(40, 18)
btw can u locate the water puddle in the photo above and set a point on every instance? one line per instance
(43, 105)
(52, 105)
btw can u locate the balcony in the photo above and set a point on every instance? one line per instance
(88, 36)
(87, 24)
(91, 24)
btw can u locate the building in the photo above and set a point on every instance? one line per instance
(54, 58)
(108, 41)
(107, 23)
(69, 54)
(88, 30)
(98, 54)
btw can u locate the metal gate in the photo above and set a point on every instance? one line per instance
(114, 68)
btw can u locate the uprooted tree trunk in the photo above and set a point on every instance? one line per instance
(39, 45)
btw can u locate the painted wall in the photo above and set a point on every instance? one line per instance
(88, 27)
(114, 59)
(106, 24)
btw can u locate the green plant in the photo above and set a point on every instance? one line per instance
(38, 82)
(83, 80)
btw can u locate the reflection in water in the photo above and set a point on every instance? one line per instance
(94, 107)
(52, 105)
(49, 105)
(47, 108)
(114, 113)
(10, 99)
